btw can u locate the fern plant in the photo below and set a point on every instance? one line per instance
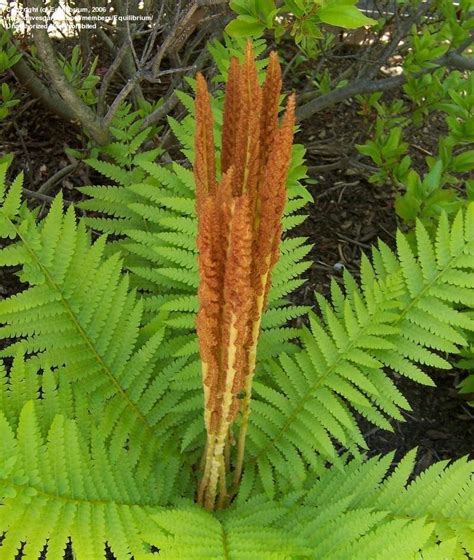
(101, 400)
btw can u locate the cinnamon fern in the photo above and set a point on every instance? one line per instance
(101, 401)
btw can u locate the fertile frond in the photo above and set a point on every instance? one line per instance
(239, 234)
(404, 315)
(153, 219)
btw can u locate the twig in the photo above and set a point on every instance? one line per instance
(43, 197)
(422, 150)
(127, 88)
(162, 111)
(290, 64)
(64, 172)
(182, 30)
(451, 59)
(26, 152)
(128, 63)
(354, 241)
(129, 37)
(149, 77)
(156, 62)
(402, 31)
(171, 102)
(339, 164)
(108, 78)
(106, 40)
(360, 165)
(327, 191)
(152, 38)
(25, 106)
(386, 231)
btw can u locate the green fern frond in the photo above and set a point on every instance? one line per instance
(400, 318)
(111, 171)
(192, 533)
(440, 502)
(80, 318)
(222, 52)
(52, 392)
(355, 511)
(57, 488)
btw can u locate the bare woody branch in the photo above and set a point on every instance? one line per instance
(452, 59)
(35, 86)
(182, 30)
(78, 108)
(401, 32)
(108, 78)
(124, 92)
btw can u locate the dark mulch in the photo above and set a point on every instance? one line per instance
(441, 423)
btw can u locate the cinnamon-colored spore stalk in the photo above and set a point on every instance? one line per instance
(239, 230)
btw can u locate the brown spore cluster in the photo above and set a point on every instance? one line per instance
(239, 229)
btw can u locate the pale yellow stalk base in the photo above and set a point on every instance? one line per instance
(248, 387)
(214, 468)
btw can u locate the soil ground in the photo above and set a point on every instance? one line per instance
(347, 216)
